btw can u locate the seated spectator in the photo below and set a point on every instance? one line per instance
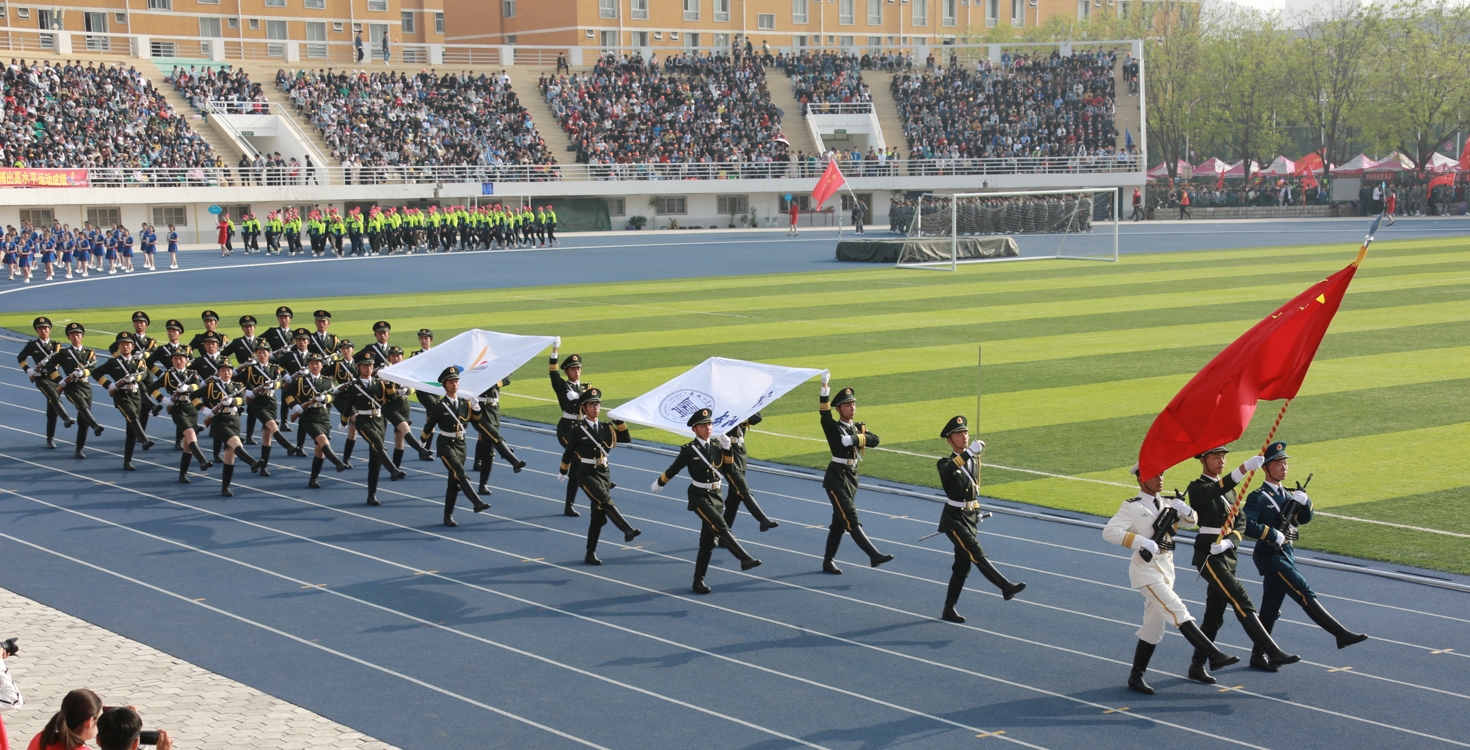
(227, 84)
(824, 78)
(92, 116)
(73, 725)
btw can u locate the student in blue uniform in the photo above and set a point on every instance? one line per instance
(48, 255)
(68, 250)
(81, 255)
(10, 250)
(27, 253)
(125, 245)
(148, 239)
(110, 243)
(173, 247)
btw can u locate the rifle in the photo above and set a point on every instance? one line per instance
(1289, 511)
(1164, 527)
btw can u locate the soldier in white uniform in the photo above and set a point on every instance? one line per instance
(1151, 571)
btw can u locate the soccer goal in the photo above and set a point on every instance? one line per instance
(945, 230)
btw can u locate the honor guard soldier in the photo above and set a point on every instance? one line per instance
(734, 473)
(174, 388)
(487, 423)
(449, 417)
(243, 350)
(369, 396)
(261, 378)
(279, 338)
(123, 376)
(704, 458)
(568, 393)
(323, 342)
(309, 396)
(211, 322)
(1278, 512)
(220, 402)
(588, 443)
(74, 365)
(160, 360)
(847, 441)
(143, 346)
(36, 362)
(426, 399)
(339, 368)
(1212, 497)
(207, 365)
(959, 520)
(295, 362)
(399, 416)
(1146, 524)
(378, 350)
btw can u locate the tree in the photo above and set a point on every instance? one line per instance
(1338, 45)
(1246, 72)
(1420, 92)
(1173, 78)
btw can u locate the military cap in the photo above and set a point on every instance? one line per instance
(247, 320)
(344, 343)
(300, 333)
(141, 316)
(1133, 469)
(261, 344)
(315, 357)
(392, 350)
(1221, 449)
(956, 423)
(210, 336)
(180, 353)
(124, 336)
(450, 373)
(703, 416)
(75, 327)
(209, 315)
(1275, 452)
(173, 324)
(365, 361)
(572, 360)
(425, 332)
(381, 325)
(322, 315)
(41, 322)
(283, 310)
(843, 396)
(593, 396)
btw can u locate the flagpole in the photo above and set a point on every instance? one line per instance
(1245, 484)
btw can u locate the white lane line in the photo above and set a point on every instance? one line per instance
(300, 640)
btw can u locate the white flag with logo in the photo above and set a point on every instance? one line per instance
(482, 357)
(732, 388)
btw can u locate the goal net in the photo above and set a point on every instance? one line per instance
(946, 230)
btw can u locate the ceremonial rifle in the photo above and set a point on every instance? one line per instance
(1289, 511)
(1164, 525)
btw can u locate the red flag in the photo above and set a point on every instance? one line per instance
(1267, 363)
(1443, 179)
(1465, 156)
(830, 181)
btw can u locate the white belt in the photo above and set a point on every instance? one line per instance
(594, 461)
(491, 402)
(565, 415)
(972, 505)
(1209, 529)
(456, 435)
(844, 461)
(737, 441)
(713, 486)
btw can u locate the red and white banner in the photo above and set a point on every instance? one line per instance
(17, 177)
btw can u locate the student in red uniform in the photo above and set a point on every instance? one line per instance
(73, 725)
(1393, 203)
(795, 213)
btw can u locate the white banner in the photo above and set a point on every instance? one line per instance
(483, 358)
(733, 388)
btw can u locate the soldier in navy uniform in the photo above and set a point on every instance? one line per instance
(36, 361)
(588, 443)
(449, 417)
(369, 395)
(734, 472)
(243, 349)
(1212, 497)
(960, 518)
(1275, 557)
(73, 365)
(174, 388)
(280, 340)
(123, 376)
(487, 423)
(704, 458)
(568, 394)
(846, 439)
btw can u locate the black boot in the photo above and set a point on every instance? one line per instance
(51, 427)
(1261, 638)
(1319, 615)
(699, 585)
(875, 558)
(374, 468)
(1141, 656)
(469, 493)
(178, 437)
(199, 456)
(81, 441)
(571, 495)
(503, 448)
(316, 471)
(834, 540)
(746, 561)
(227, 475)
(217, 444)
(347, 447)
(330, 455)
(250, 429)
(300, 439)
(1007, 589)
(184, 468)
(629, 533)
(952, 597)
(128, 451)
(397, 456)
(1197, 671)
(394, 473)
(950, 614)
(450, 495)
(487, 462)
(424, 453)
(247, 458)
(290, 449)
(1203, 645)
(265, 459)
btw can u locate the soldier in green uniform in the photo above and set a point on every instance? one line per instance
(704, 458)
(220, 402)
(294, 361)
(487, 424)
(36, 362)
(378, 350)
(261, 378)
(242, 349)
(426, 399)
(588, 443)
(73, 365)
(448, 417)
(339, 368)
(174, 388)
(310, 396)
(369, 396)
(207, 365)
(121, 376)
(211, 323)
(847, 440)
(160, 360)
(1212, 497)
(143, 346)
(279, 338)
(323, 342)
(568, 394)
(959, 520)
(734, 473)
(398, 414)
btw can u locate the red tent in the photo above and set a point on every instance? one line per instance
(1161, 170)
(1353, 167)
(1238, 169)
(1211, 166)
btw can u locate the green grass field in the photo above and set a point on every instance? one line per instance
(1079, 357)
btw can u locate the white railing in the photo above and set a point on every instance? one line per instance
(838, 108)
(220, 107)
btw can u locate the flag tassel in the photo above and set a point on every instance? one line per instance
(1246, 483)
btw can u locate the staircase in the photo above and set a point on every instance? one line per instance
(221, 143)
(524, 80)
(1128, 115)
(884, 105)
(264, 73)
(793, 123)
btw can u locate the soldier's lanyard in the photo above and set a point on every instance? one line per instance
(858, 452)
(453, 411)
(258, 370)
(713, 471)
(357, 383)
(582, 424)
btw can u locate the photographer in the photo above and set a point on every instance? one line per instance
(73, 725)
(122, 729)
(10, 697)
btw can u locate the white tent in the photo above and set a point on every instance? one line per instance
(1281, 166)
(1441, 164)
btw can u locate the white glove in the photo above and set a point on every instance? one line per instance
(561, 476)
(826, 378)
(556, 344)
(166, 401)
(847, 440)
(1179, 506)
(1144, 543)
(249, 394)
(1301, 498)
(572, 394)
(724, 442)
(1278, 537)
(1253, 463)
(977, 447)
(206, 413)
(295, 411)
(1220, 547)
(656, 486)
(288, 378)
(112, 390)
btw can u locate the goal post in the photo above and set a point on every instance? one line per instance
(946, 230)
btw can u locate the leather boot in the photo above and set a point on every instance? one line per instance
(386, 462)
(372, 481)
(128, 451)
(1007, 589)
(247, 458)
(184, 468)
(450, 495)
(486, 465)
(347, 447)
(746, 561)
(265, 459)
(875, 558)
(834, 541)
(1141, 656)
(629, 533)
(413, 442)
(952, 597)
(1258, 656)
(199, 456)
(571, 495)
(469, 493)
(759, 515)
(337, 463)
(950, 614)
(316, 471)
(699, 585)
(1203, 645)
(1325, 621)
(250, 429)
(1197, 671)
(81, 442)
(290, 449)
(397, 456)
(1261, 638)
(229, 474)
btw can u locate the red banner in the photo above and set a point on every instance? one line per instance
(43, 177)
(830, 181)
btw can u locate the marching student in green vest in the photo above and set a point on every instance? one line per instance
(846, 440)
(369, 395)
(487, 423)
(219, 402)
(122, 376)
(337, 229)
(309, 397)
(261, 378)
(568, 394)
(448, 417)
(398, 414)
(734, 472)
(355, 226)
(550, 224)
(704, 458)
(174, 388)
(293, 231)
(273, 229)
(588, 445)
(960, 518)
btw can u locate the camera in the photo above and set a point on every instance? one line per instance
(10, 646)
(148, 737)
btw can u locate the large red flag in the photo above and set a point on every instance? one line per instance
(829, 183)
(1267, 363)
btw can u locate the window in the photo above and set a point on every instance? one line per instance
(103, 216)
(407, 16)
(1018, 13)
(799, 41)
(510, 38)
(845, 12)
(691, 41)
(275, 3)
(639, 39)
(949, 14)
(691, 12)
(336, 27)
(875, 12)
(160, 5)
(275, 30)
(866, 198)
(640, 9)
(315, 4)
(992, 12)
(722, 41)
(617, 206)
(23, 12)
(798, 11)
(316, 36)
(120, 18)
(38, 217)
(175, 215)
(732, 204)
(438, 23)
(804, 202)
(163, 49)
(722, 10)
(1084, 9)
(255, 24)
(921, 12)
(2, 11)
(669, 204)
(765, 21)
(377, 5)
(508, 8)
(608, 39)
(209, 27)
(607, 8)
(846, 42)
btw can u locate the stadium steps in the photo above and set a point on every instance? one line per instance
(524, 80)
(1127, 105)
(264, 73)
(879, 88)
(218, 141)
(793, 125)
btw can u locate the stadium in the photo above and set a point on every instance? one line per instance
(284, 282)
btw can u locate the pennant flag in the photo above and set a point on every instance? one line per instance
(828, 184)
(1267, 363)
(733, 388)
(482, 357)
(1127, 138)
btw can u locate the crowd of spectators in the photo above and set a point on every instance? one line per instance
(1052, 107)
(228, 84)
(92, 115)
(691, 109)
(824, 78)
(372, 120)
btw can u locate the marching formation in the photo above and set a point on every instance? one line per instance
(385, 231)
(316, 373)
